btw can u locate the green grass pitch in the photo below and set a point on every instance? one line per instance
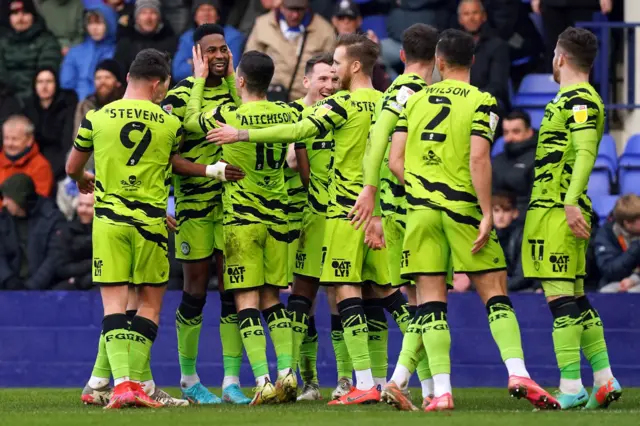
(474, 407)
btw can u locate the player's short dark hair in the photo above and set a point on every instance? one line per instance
(323, 58)
(504, 199)
(150, 64)
(419, 42)
(457, 48)
(205, 30)
(518, 114)
(581, 46)
(257, 70)
(361, 49)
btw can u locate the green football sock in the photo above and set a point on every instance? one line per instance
(279, 325)
(423, 370)
(592, 340)
(412, 351)
(343, 360)
(356, 333)
(230, 336)
(146, 372)
(101, 368)
(567, 331)
(188, 326)
(399, 309)
(298, 308)
(436, 336)
(115, 328)
(378, 337)
(254, 341)
(504, 327)
(309, 354)
(143, 332)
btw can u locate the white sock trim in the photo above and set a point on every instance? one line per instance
(364, 379)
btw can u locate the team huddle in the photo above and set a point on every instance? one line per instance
(347, 189)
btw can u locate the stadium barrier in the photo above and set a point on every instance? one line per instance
(49, 339)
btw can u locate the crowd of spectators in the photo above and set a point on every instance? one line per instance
(61, 58)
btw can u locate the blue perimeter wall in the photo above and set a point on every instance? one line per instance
(49, 339)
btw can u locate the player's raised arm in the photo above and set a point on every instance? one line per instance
(194, 119)
(80, 154)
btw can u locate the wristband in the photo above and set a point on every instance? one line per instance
(216, 171)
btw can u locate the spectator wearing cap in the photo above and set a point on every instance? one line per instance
(78, 67)
(281, 34)
(29, 225)
(347, 19)
(20, 154)
(51, 110)
(27, 47)
(204, 12)
(148, 31)
(64, 18)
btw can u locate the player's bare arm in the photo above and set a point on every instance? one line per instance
(292, 161)
(220, 171)
(396, 155)
(304, 168)
(480, 167)
(75, 169)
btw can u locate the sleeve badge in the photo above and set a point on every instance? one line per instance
(493, 121)
(580, 114)
(404, 94)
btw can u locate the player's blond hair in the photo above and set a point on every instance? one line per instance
(627, 208)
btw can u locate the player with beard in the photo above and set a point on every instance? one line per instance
(356, 263)
(199, 229)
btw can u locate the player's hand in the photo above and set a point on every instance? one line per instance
(576, 222)
(535, 6)
(233, 173)
(200, 63)
(85, 184)
(230, 69)
(484, 232)
(373, 37)
(606, 6)
(626, 284)
(363, 208)
(223, 135)
(374, 235)
(172, 225)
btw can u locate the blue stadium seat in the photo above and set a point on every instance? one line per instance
(607, 158)
(629, 166)
(599, 183)
(376, 23)
(603, 205)
(538, 84)
(536, 116)
(532, 99)
(498, 147)
(630, 180)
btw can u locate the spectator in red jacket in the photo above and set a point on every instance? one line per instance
(21, 155)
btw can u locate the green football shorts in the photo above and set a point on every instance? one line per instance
(435, 241)
(394, 226)
(349, 260)
(128, 254)
(255, 255)
(550, 251)
(294, 237)
(198, 237)
(311, 252)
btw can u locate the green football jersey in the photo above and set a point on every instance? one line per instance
(392, 194)
(296, 190)
(440, 121)
(573, 123)
(132, 141)
(261, 196)
(195, 148)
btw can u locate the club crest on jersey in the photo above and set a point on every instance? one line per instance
(168, 108)
(493, 121)
(580, 114)
(404, 94)
(323, 110)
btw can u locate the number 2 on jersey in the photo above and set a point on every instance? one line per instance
(429, 134)
(140, 147)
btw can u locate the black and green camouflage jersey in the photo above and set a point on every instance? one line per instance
(261, 196)
(296, 190)
(197, 197)
(392, 194)
(573, 125)
(440, 121)
(132, 142)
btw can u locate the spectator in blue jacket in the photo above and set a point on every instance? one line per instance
(28, 226)
(79, 66)
(618, 248)
(204, 12)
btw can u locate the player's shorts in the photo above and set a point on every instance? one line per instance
(349, 260)
(127, 254)
(394, 227)
(550, 251)
(255, 255)
(197, 238)
(311, 252)
(294, 236)
(434, 241)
